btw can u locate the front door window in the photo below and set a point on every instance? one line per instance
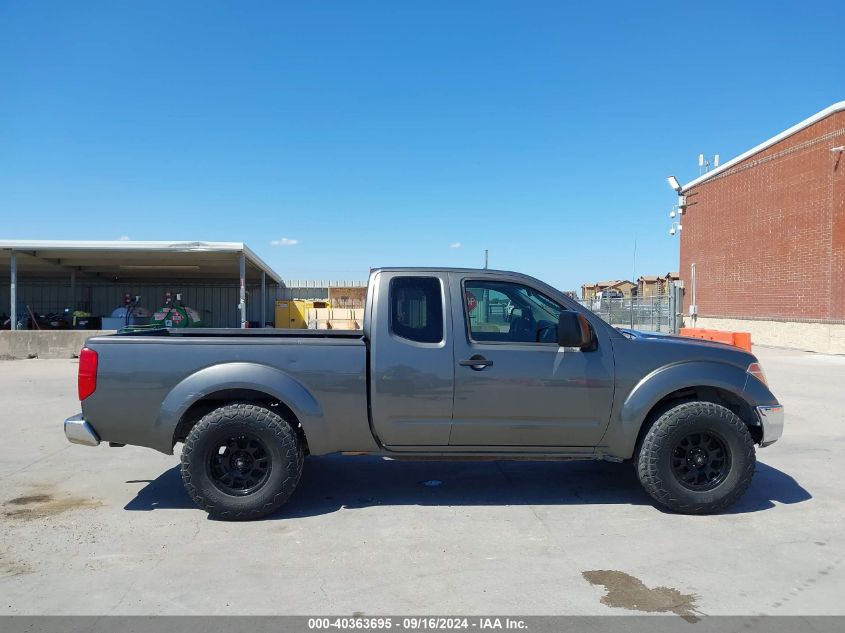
(509, 313)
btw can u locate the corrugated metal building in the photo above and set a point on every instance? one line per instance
(49, 276)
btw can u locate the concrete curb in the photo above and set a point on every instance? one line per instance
(23, 344)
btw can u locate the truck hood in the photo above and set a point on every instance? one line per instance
(685, 341)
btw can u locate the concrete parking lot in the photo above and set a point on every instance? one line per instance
(111, 531)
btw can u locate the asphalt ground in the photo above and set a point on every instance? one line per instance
(111, 531)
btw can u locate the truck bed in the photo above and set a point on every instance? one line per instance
(240, 332)
(147, 379)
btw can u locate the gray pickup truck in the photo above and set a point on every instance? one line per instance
(453, 364)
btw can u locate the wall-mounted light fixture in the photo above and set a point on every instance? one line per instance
(673, 182)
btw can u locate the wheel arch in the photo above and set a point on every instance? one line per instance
(217, 399)
(667, 386)
(702, 393)
(213, 386)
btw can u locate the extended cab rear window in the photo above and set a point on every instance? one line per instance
(416, 309)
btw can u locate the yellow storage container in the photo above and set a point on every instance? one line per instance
(292, 313)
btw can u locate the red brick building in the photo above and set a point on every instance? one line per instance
(764, 234)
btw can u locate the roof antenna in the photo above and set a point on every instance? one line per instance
(705, 165)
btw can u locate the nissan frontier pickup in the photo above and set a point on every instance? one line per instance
(450, 363)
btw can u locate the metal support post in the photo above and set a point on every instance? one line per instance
(242, 304)
(14, 290)
(72, 290)
(263, 299)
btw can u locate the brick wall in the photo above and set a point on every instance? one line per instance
(341, 297)
(768, 235)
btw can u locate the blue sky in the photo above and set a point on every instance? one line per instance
(386, 133)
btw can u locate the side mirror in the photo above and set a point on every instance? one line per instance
(573, 330)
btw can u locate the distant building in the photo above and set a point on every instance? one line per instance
(589, 291)
(649, 285)
(654, 285)
(763, 240)
(337, 294)
(347, 296)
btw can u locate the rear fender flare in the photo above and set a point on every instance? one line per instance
(254, 376)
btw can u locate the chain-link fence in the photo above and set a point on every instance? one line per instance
(654, 313)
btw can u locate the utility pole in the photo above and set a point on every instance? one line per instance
(634, 267)
(486, 253)
(634, 281)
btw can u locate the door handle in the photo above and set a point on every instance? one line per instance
(476, 362)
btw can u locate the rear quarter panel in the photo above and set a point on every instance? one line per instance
(145, 384)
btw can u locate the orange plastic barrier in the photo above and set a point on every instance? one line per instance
(737, 339)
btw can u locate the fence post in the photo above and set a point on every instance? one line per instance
(652, 315)
(679, 306)
(673, 309)
(659, 312)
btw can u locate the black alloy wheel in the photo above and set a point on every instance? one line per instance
(697, 457)
(701, 461)
(240, 465)
(242, 461)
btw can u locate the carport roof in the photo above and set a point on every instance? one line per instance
(133, 259)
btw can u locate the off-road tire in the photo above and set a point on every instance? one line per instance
(655, 458)
(283, 449)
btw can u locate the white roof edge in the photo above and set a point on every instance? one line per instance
(149, 246)
(818, 116)
(110, 245)
(262, 265)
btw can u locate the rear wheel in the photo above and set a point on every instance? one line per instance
(697, 458)
(241, 461)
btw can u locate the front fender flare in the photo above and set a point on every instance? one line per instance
(238, 375)
(621, 438)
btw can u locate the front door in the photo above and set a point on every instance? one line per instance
(514, 386)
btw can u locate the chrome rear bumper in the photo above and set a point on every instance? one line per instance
(78, 431)
(771, 419)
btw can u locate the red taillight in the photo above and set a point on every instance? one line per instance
(87, 372)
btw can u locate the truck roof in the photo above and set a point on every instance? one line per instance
(440, 269)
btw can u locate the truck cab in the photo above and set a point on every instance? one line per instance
(471, 359)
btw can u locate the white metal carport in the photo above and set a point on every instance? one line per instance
(134, 260)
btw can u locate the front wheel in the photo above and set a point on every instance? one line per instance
(241, 461)
(697, 458)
